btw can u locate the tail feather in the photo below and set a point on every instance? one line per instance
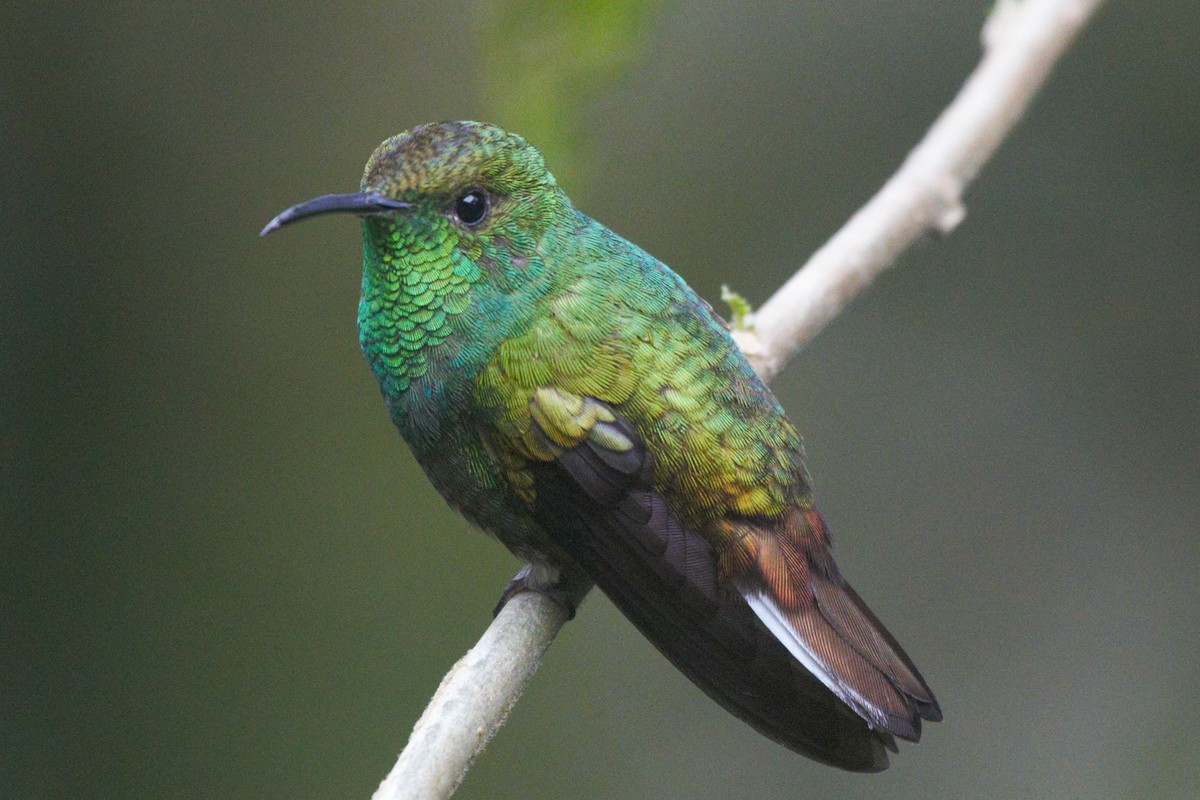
(793, 586)
(842, 600)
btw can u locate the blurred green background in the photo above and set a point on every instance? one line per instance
(223, 575)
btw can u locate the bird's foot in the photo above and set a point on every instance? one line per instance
(563, 588)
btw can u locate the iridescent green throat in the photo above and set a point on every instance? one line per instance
(436, 303)
(413, 286)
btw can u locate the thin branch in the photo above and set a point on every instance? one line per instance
(1022, 40)
(473, 700)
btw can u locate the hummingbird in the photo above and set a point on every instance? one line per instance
(570, 395)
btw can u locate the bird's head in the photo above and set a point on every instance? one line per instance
(469, 186)
(457, 218)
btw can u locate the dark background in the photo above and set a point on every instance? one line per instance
(222, 574)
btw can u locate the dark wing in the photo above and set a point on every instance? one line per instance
(595, 496)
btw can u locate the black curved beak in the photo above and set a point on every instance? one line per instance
(360, 203)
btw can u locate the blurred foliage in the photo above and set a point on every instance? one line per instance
(543, 62)
(223, 576)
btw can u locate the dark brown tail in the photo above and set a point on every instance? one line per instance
(788, 577)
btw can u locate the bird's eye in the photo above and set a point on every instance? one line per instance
(471, 207)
